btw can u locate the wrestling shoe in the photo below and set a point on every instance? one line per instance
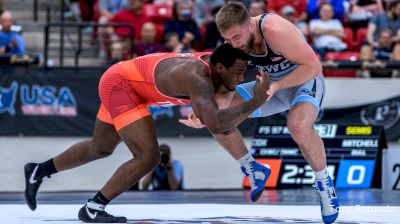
(328, 199)
(34, 176)
(258, 176)
(94, 213)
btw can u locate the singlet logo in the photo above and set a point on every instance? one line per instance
(275, 67)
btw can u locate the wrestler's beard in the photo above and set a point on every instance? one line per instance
(249, 44)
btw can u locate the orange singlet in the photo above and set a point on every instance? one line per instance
(127, 88)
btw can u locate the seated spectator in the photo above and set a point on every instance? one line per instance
(147, 44)
(389, 19)
(276, 6)
(213, 36)
(289, 13)
(173, 44)
(358, 12)
(183, 23)
(327, 32)
(313, 7)
(384, 50)
(203, 11)
(256, 8)
(120, 36)
(108, 8)
(10, 42)
(168, 175)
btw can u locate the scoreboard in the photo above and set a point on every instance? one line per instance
(352, 153)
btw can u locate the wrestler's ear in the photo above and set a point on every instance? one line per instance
(220, 67)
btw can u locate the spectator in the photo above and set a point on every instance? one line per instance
(168, 175)
(213, 36)
(314, 5)
(289, 13)
(390, 19)
(384, 50)
(173, 44)
(327, 32)
(203, 11)
(134, 15)
(108, 8)
(120, 36)
(358, 12)
(256, 8)
(183, 23)
(147, 43)
(10, 42)
(276, 6)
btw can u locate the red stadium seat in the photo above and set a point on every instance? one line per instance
(361, 36)
(341, 56)
(349, 38)
(158, 13)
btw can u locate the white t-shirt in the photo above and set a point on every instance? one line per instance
(327, 41)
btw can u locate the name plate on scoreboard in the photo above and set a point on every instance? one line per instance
(352, 155)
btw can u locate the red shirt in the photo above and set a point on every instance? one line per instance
(136, 20)
(277, 5)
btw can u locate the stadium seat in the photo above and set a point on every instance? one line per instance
(361, 36)
(341, 56)
(349, 38)
(158, 13)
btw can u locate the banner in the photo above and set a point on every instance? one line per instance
(48, 102)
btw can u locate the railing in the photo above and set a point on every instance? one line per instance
(77, 44)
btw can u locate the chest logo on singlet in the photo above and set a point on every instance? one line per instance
(275, 67)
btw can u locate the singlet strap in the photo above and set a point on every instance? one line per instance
(200, 57)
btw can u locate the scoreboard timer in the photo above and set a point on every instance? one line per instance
(352, 153)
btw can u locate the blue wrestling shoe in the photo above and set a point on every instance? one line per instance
(258, 176)
(328, 199)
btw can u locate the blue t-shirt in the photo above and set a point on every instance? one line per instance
(10, 49)
(382, 21)
(160, 176)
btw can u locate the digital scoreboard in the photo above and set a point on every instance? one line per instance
(352, 155)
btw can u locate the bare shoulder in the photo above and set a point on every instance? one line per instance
(196, 70)
(275, 23)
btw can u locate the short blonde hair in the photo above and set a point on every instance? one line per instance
(231, 14)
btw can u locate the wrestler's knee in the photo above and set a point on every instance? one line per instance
(149, 157)
(300, 130)
(99, 151)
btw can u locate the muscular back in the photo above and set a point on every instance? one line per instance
(175, 76)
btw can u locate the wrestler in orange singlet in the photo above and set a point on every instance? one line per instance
(126, 89)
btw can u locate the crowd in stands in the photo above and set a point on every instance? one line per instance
(11, 41)
(369, 29)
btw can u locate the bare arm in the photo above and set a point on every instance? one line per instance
(334, 32)
(172, 180)
(370, 33)
(279, 32)
(206, 109)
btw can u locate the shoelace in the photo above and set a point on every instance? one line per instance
(252, 171)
